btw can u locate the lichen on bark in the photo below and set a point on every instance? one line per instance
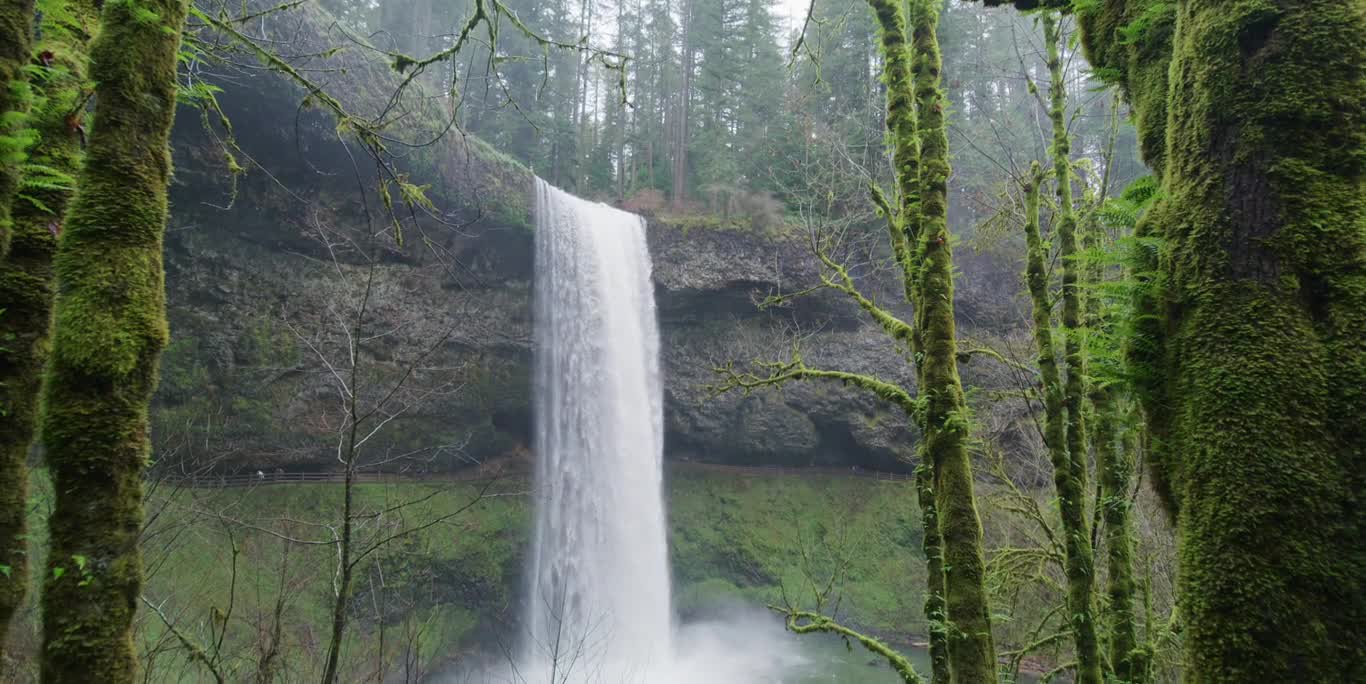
(109, 329)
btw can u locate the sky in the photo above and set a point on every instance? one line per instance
(793, 11)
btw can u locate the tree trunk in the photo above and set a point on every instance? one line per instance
(1256, 342)
(1114, 460)
(972, 654)
(680, 145)
(918, 227)
(341, 601)
(26, 285)
(18, 376)
(109, 330)
(1115, 466)
(933, 546)
(1069, 464)
(1265, 221)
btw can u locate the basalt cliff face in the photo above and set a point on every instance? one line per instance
(262, 295)
(266, 280)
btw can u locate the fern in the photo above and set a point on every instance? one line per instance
(40, 177)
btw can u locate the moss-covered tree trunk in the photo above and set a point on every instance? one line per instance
(935, 618)
(109, 329)
(1265, 321)
(1069, 462)
(1256, 345)
(972, 654)
(1115, 465)
(961, 646)
(1115, 468)
(16, 24)
(26, 277)
(16, 35)
(903, 225)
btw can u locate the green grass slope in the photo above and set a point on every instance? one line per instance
(246, 574)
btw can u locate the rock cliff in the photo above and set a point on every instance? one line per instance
(264, 275)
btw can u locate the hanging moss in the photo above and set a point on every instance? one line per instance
(26, 276)
(109, 329)
(16, 34)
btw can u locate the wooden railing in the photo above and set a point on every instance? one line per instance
(479, 474)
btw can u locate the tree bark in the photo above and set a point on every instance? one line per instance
(26, 282)
(1264, 217)
(1069, 464)
(961, 644)
(972, 654)
(933, 545)
(109, 330)
(1253, 352)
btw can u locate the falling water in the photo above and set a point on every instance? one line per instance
(598, 594)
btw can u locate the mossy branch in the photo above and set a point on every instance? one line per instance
(487, 13)
(838, 278)
(193, 651)
(776, 373)
(805, 622)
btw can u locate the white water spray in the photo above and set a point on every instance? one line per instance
(599, 581)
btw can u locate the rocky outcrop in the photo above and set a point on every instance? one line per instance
(257, 300)
(263, 278)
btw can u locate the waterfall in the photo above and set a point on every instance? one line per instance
(598, 587)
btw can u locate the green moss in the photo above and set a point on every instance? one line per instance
(1254, 350)
(972, 655)
(1128, 42)
(26, 275)
(1265, 335)
(918, 231)
(1069, 458)
(109, 329)
(16, 34)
